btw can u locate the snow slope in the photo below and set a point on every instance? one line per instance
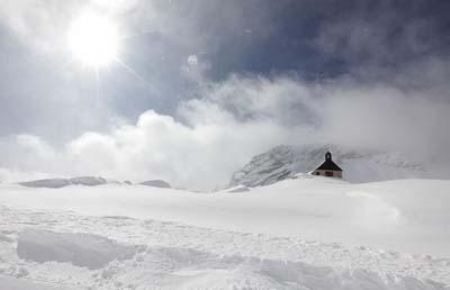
(63, 182)
(303, 233)
(156, 183)
(359, 165)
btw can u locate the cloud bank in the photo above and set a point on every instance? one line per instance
(212, 136)
(205, 91)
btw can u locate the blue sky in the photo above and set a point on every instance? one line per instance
(218, 72)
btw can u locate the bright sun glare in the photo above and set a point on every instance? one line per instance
(93, 40)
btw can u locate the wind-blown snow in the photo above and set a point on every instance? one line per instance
(303, 233)
(84, 250)
(11, 283)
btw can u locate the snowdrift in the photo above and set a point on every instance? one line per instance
(406, 215)
(306, 232)
(84, 250)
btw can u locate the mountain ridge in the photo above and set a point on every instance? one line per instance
(360, 165)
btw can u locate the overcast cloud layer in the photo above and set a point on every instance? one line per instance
(209, 84)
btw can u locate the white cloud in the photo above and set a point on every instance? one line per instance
(236, 119)
(200, 155)
(229, 121)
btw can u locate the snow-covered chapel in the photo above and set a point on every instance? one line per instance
(328, 168)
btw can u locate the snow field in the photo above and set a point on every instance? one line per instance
(147, 254)
(304, 233)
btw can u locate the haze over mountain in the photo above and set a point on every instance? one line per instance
(359, 165)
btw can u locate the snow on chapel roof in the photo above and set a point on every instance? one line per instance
(329, 164)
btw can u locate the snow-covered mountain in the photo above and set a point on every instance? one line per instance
(87, 181)
(156, 183)
(62, 182)
(359, 165)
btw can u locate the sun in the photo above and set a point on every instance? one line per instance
(93, 40)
